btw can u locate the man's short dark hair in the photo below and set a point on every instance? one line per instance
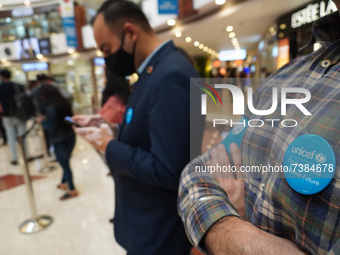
(41, 77)
(118, 12)
(6, 73)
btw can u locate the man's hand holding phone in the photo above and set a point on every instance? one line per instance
(72, 122)
(91, 120)
(97, 137)
(94, 129)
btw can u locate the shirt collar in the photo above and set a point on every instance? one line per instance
(142, 67)
(327, 29)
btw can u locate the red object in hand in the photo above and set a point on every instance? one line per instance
(113, 110)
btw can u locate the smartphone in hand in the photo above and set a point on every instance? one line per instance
(70, 121)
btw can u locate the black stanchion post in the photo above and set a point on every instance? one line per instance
(36, 223)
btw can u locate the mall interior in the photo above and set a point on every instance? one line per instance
(224, 38)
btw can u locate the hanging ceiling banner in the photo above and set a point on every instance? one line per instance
(167, 6)
(69, 22)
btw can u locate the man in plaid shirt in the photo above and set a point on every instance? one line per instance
(264, 215)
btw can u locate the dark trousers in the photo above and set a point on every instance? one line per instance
(3, 131)
(63, 151)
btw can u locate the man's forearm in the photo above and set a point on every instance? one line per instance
(231, 235)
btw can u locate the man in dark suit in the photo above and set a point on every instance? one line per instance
(146, 158)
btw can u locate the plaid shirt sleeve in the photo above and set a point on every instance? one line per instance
(201, 201)
(335, 249)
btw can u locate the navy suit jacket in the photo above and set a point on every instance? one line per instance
(149, 155)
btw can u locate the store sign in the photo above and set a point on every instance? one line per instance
(69, 25)
(283, 53)
(45, 46)
(22, 12)
(312, 13)
(99, 62)
(229, 55)
(167, 6)
(40, 66)
(58, 43)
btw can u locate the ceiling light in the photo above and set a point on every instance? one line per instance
(171, 22)
(8, 19)
(188, 39)
(178, 34)
(232, 35)
(71, 51)
(205, 48)
(40, 56)
(234, 40)
(281, 35)
(219, 2)
(196, 43)
(229, 28)
(27, 2)
(283, 26)
(99, 53)
(201, 46)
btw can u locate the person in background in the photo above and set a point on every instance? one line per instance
(31, 85)
(115, 85)
(2, 128)
(13, 126)
(44, 79)
(60, 134)
(264, 73)
(114, 98)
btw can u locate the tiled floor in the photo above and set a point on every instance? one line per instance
(81, 225)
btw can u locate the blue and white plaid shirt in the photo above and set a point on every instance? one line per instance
(310, 221)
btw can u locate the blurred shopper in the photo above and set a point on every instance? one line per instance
(2, 128)
(40, 105)
(60, 134)
(263, 214)
(153, 145)
(44, 79)
(13, 126)
(114, 98)
(34, 92)
(115, 85)
(264, 73)
(31, 85)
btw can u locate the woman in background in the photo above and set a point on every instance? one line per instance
(60, 134)
(2, 128)
(114, 98)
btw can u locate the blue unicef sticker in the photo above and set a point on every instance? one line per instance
(236, 133)
(310, 164)
(129, 116)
